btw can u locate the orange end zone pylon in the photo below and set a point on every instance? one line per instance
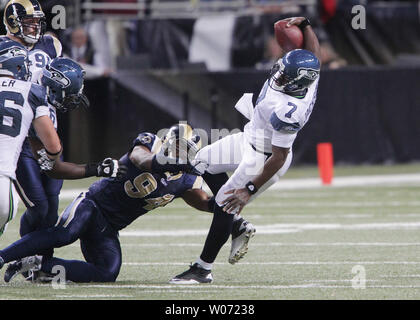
(325, 162)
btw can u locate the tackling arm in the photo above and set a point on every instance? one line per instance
(198, 199)
(72, 171)
(142, 158)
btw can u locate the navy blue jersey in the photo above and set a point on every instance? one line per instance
(140, 191)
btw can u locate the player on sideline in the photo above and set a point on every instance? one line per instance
(21, 103)
(262, 153)
(110, 205)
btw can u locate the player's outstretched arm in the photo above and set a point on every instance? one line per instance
(142, 158)
(310, 39)
(198, 199)
(71, 171)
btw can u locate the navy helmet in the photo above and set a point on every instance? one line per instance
(63, 79)
(14, 60)
(296, 71)
(25, 19)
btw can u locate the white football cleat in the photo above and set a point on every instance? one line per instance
(241, 233)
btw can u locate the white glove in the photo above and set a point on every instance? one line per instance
(45, 163)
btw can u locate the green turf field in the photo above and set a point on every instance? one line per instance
(306, 246)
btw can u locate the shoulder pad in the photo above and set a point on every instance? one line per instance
(149, 140)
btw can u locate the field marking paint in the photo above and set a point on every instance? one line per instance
(271, 287)
(281, 244)
(313, 183)
(292, 263)
(280, 228)
(94, 296)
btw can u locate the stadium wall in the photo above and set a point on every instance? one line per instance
(371, 115)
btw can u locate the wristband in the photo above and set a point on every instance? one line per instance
(304, 24)
(53, 154)
(252, 189)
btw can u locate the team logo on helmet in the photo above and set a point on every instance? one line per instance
(57, 76)
(307, 73)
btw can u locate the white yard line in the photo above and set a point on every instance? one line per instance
(282, 244)
(87, 296)
(280, 228)
(314, 183)
(213, 286)
(281, 263)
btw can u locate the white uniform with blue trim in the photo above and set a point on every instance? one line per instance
(20, 103)
(276, 120)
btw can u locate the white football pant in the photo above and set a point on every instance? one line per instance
(235, 153)
(8, 202)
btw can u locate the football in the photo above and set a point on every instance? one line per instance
(288, 38)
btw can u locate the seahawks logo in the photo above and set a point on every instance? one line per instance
(310, 74)
(16, 52)
(60, 78)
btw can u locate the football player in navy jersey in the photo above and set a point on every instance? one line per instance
(110, 204)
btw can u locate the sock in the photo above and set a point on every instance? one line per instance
(204, 264)
(220, 230)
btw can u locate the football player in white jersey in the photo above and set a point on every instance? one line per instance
(21, 103)
(261, 154)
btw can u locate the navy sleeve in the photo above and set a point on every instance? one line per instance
(145, 139)
(37, 97)
(50, 46)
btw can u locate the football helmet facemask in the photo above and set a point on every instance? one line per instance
(296, 71)
(63, 79)
(181, 142)
(25, 19)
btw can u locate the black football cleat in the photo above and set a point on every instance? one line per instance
(194, 275)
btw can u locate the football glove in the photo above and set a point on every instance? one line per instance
(162, 163)
(45, 162)
(111, 168)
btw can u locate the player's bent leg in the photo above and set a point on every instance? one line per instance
(242, 232)
(102, 251)
(223, 155)
(70, 226)
(8, 202)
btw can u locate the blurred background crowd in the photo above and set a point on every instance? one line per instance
(151, 63)
(220, 35)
